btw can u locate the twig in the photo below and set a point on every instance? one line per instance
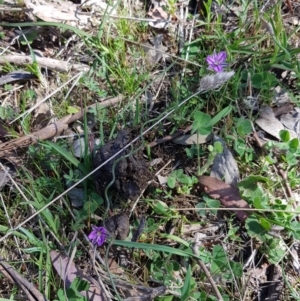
(170, 137)
(287, 185)
(195, 249)
(52, 129)
(45, 62)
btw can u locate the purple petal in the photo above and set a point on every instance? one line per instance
(92, 235)
(210, 59)
(218, 68)
(221, 57)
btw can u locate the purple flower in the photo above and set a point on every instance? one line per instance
(98, 235)
(216, 61)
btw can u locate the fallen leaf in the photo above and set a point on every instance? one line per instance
(229, 196)
(290, 120)
(270, 124)
(114, 267)
(68, 271)
(192, 139)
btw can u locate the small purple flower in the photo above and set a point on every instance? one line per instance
(98, 235)
(216, 61)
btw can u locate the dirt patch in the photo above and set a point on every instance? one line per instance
(128, 171)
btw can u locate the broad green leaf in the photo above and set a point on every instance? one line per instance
(254, 227)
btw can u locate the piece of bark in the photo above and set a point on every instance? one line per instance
(229, 196)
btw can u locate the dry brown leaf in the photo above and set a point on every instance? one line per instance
(229, 196)
(114, 267)
(193, 139)
(270, 124)
(68, 271)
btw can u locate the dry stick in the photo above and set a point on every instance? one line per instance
(12, 280)
(52, 129)
(195, 249)
(170, 137)
(45, 62)
(285, 180)
(28, 288)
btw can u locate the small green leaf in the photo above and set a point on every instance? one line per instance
(171, 181)
(257, 80)
(284, 135)
(293, 145)
(160, 207)
(200, 206)
(244, 126)
(265, 223)
(218, 147)
(201, 123)
(72, 110)
(236, 268)
(67, 155)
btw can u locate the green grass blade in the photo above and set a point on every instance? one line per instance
(67, 155)
(154, 247)
(185, 291)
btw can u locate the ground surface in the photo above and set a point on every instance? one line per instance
(172, 127)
